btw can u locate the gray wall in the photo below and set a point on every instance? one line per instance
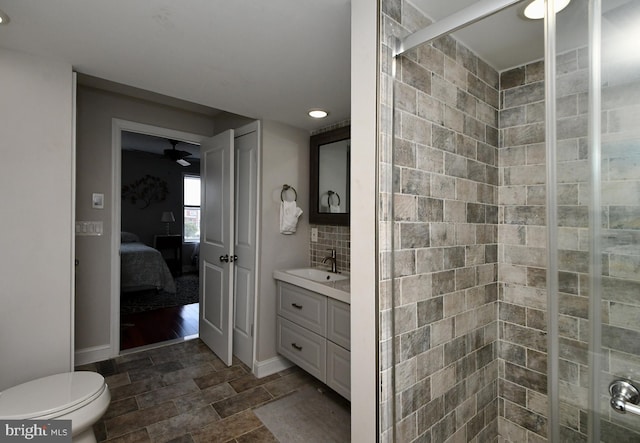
(36, 191)
(285, 160)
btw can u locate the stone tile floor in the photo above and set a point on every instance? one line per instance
(184, 393)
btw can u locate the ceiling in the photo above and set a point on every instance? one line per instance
(266, 60)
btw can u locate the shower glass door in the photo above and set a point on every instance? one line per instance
(595, 325)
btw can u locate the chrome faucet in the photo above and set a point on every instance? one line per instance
(332, 259)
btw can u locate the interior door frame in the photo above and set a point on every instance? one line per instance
(117, 126)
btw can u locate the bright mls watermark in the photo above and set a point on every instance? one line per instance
(40, 431)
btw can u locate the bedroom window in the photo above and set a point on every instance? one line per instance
(191, 199)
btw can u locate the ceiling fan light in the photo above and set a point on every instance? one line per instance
(535, 10)
(183, 162)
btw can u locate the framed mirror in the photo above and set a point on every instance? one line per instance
(330, 162)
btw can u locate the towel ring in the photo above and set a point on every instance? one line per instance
(286, 188)
(331, 194)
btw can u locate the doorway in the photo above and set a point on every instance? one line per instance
(160, 220)
(241, 216)
(148, 230)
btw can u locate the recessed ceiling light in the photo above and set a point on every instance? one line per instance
(318, 113)
(4, 18)
(535, 9)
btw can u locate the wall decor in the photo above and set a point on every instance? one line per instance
(145, 191)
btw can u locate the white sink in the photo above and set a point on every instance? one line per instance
(318, 280)
(315, 274)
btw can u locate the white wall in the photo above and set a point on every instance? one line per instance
(285, 160)
(364, 17)
(36, 193)
(96, 109)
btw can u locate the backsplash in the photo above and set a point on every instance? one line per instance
(331, 237)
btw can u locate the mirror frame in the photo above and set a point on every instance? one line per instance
(326, 218)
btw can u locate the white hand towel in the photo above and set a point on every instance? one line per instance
(289, 213)
(334, 208)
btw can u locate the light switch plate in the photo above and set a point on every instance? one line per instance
(97, 201)
(314, 235)
(89, 228)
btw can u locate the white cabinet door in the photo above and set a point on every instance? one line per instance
(339, 369)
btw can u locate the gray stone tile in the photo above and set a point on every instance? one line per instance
(415, 182)
(242, 401)
(180, 425)
(415, 75)
(203, 397)
(525, 94)
(414, 342)
(133, 421)
(260, 435)
(154, 371)
(512, 78)
(429, 311)
(414, 235)
(164, 394)
(219, 377)
(228, 428)
(444, 139)
(621, 339)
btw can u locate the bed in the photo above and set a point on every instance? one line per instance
(142, 267)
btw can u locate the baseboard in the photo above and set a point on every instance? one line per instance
(271, 366)
(92, 355)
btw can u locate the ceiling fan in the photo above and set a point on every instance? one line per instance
(177, 155)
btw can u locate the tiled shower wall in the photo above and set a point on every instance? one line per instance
(444, 223)
(522, 252)
(522, 248)
(438, 151)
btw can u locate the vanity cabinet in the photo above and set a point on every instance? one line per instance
(313, 331)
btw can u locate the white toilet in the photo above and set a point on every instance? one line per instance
(82, 397)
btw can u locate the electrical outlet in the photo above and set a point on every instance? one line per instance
(314, 235)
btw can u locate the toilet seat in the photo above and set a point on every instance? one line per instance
(52, 396)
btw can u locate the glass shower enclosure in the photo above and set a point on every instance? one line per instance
(509, 228)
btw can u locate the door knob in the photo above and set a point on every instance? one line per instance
(225, 258)
(624, 397)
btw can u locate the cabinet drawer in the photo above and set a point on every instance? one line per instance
(303, 307)
(302, 347)
(339, 370)
(338, 323)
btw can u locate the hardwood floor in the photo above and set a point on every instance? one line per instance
(150, 327)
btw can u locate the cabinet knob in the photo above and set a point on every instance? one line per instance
(225, 258)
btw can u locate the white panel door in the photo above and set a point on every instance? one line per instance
(246, 176)
(216, 244)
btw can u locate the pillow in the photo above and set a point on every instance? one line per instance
(128, 237)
